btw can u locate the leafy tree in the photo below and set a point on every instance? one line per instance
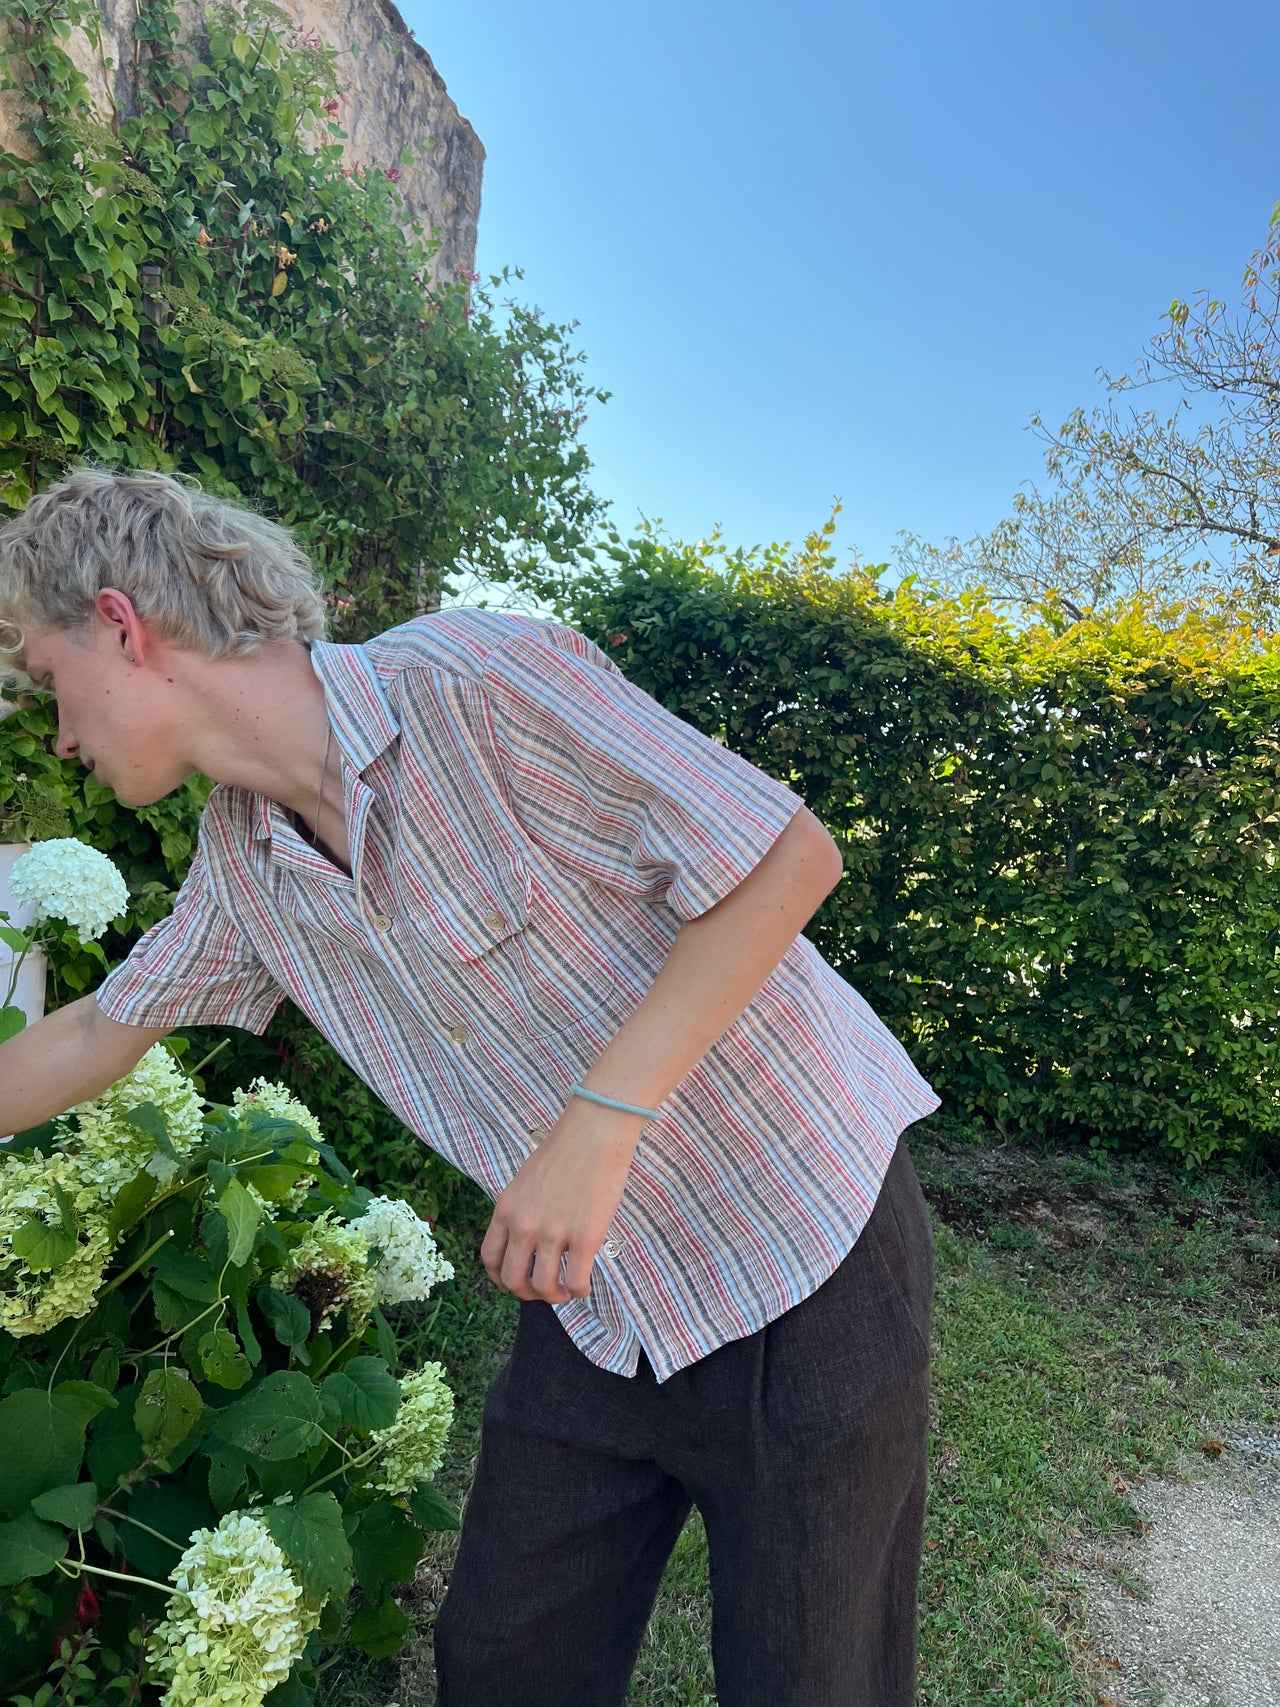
(202, 285)
(1175, 506)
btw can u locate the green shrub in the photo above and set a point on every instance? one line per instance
(201, 285)
(1060, 843)
(199, 1389)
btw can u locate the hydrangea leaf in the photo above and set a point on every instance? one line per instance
(104, 1371)
(84, 1399)
(115, 1447)
(14, 940)
(380, 1630)
(273, 1181)
(150, 1121)
(172, 1509)
(41, 1444)
(385, 1547)
(366, 1395)
(430, 1510)
(33, 1138)
(242, 1213)
(44, 1244)
(310, 1532)
(222, 1360)
(130, 1203)
(73, 1506)
(29, 1548)
(12, 1021)
(227, 1471)
(278, 1419)
(188, 1274)
(287, 1316)
(388, 1345)
(166, 1410)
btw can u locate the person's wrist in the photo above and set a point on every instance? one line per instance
(597, 1123)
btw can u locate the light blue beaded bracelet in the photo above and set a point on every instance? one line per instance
(612, 1102)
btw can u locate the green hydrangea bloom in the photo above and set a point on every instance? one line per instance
(96, 1153)
(34, 1300)
(275, 1098)
(328, 1269)
(412, 1447)
(237, 1622)
(103, 1138)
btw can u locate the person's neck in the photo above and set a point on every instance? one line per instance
(259, 722)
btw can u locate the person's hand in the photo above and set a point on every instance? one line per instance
(561, 1200)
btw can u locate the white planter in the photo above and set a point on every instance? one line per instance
(29, 995)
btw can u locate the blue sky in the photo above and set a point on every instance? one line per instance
(827, 250)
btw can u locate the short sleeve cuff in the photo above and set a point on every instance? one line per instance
(129, 998)
(713, 866)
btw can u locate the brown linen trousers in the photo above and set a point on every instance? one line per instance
(804, 1447)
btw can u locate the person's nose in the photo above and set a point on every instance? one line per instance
(68, 744)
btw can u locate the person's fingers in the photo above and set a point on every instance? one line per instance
(577, 1274)
(494, 1249)
(546, 1271)
(517, 1262)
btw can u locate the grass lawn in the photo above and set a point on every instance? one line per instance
(1098, 1320)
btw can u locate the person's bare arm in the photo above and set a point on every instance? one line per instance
(66, 1058)
(566, 1193)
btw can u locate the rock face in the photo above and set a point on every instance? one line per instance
(394, 99)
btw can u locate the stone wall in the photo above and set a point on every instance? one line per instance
(394, 99)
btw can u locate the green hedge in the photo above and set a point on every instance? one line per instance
(1060, 845)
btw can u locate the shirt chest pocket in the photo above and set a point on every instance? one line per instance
(503, 949)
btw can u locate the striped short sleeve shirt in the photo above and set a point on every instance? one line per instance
(528, 832)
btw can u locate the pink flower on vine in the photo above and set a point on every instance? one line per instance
(203, 238)
(462, 273)
(393, 172)
(331, 106)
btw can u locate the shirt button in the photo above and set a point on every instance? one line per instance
(459, 1033)
(612, 1247)
(538, 1134)
(495, 921)
(381, 923)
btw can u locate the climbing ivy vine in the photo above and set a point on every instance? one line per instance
(196, 281)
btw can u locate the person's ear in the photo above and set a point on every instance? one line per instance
(115, 609)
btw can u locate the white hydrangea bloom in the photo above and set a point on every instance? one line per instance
(237, 1621)
(328, 1269)
(67, 879)
(412, 1447)
(411, 1263)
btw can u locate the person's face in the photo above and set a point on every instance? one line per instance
(110, 715)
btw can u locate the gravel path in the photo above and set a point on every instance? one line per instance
(1209, 1635)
